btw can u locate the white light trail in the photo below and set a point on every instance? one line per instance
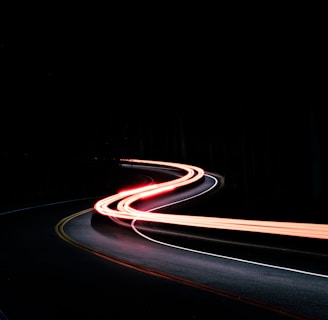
(125, 200)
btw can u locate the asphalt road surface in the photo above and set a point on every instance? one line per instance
(65, 261)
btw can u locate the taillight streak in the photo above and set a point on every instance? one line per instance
(192, 174)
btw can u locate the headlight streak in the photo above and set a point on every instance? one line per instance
(193, 174)
(136, 230)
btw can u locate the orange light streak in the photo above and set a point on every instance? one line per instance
(193, 174)
(126, 193)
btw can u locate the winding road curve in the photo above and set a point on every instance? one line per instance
(192, 267)
(284, 286)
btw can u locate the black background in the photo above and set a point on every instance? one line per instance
(241, 95)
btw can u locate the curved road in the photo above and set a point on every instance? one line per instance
(105, 269)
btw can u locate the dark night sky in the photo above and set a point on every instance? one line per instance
(60, 85)
(71, 86)
(57, 81)
(64, 63)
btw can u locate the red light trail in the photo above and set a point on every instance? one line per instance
(124, 210)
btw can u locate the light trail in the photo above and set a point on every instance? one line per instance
(125, 210)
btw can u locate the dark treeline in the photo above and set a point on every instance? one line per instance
(270, 149)
(273, 157)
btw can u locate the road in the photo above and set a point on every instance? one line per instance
(66, 261)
